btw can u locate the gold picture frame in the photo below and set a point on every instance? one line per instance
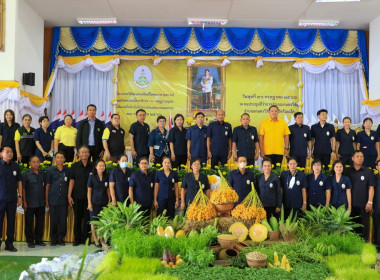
(195, 100)
(2, 25)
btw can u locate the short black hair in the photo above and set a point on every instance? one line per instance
(207, 70)
(91, 105)
(3, 147)
(143, 158)
(316, 160)
(114, 115)
(83, 146)
(199, 113)
(140, 110)
(266, 159)
(119, 157)
(71, 117)
(26, 115)
(161, 118)
(94, 171)
(179, 116)
(356, 152)
(245, 114)
(367, 119)
(42, 118)
(32, 157)
(347, 118)
(166, 157)
(322, 111)
(273, 106)
(297, 114)
(292, 158)
(60, 153)
(195, 159)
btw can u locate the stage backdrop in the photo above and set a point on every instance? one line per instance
(172, 87)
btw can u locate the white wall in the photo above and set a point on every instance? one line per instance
(26, 53)
(374, 59)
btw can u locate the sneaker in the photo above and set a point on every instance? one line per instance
(40, 244)
(10, 248)
(31, 245)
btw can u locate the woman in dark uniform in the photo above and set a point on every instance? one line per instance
(177, 142)
(158, 141)
(7, 131)
(367, 144)
(319, 188)
(346, 142)
(119, 180)
(340, 187)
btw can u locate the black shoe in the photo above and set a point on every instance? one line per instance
(10, 248)
(54, 243)
(40, 244)
(61, 243)
(31, 245)
(76, 243)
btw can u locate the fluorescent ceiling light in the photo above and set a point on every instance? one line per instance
(206, 21)
(97, 21)
(332, 1)
(317, 23)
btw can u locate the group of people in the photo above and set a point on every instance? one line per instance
(87, 188)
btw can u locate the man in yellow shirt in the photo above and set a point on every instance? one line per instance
(274, 137)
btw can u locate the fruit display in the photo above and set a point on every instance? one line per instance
(284, 264)
(201, 208)
(324, 249)
(239, 230)
(169, 260)
(258, 232)
(223, 193)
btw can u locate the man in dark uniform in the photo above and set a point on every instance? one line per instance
(300, 140)
(363, 188)
(245, 141)
(219, 134)
(196, 139)
(90, 131)
(113, 139)
(10, 183)
(323, 135)
(138, 136)
(33, 183)
(77, 195)
(57, 185)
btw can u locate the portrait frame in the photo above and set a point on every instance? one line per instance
(218, 97)
(2, 25)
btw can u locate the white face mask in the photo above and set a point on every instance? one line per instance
(242, 164)
(123, 164)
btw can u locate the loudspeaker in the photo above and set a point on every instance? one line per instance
(28, 79)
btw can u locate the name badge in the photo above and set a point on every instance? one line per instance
(372, 138)
(321, 183)
(151, 185)
(362, 178)
(114, 131)
(353, 138)
(65, 179)
(106, 184)
(328, 133)
(51, 133)
(248, 182)
(14, 173)
(203, 186)
(305, 135)
(298, 183)
(98, 129)
(226, 133)
(128, 179)
(343, 186)
(156, 147)
(121, 132)
(271, 185)
(253, 137)
(173, 181)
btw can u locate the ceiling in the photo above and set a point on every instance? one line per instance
(240, 13)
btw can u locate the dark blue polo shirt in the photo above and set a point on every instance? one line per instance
(8, 133)
(197, 136)
(322, 136)
(10, 175)
(361, 180)
(346, 141)
(299, 136)
(339, 191)
(141, 136)
(59, 185)
(269, 190)
(34, 185)
(45, 139)
(367, 143)
(245, 140)
(143, 185)
(219, 133)
(292, 197)
(99, 188)
(159, 141)
(317, 189)
(121, 181)
(241, 183)
(178, 138)
(192, 186)
(166, 190)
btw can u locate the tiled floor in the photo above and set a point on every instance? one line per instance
(47, 251)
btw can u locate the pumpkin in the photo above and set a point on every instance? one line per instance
(169, 232)
(258, 232)
(239, 230)
(160, 231)
(180, 233)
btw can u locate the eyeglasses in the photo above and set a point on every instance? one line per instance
(144, 162)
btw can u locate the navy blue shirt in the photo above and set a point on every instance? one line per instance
(317, 189)
(121, 181)
(141, 136)
(299, 136)
(34, 185)
(59, 185)
(197, 136)
(166, 190)
(45, 139)
(10, 175)
(99, 188)
(192, 186)
(361, 180)
(245, 140)
(269, 190)
(241, 183)
(339, 191)
(178, 138)
(322, 136)
(292, 196)
(346, 141)
(8, 133)
(142, 185)
(159, 141)
(219, 133)
(367, 143)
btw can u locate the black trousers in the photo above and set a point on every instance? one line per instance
(324, 158)
(251, 161)
(34, 235)
(301, 161)
(58, 222)
(147, 211)
(346, 159)
(25, 159)
(68, 151)
(361, 219)
(10, 209)
(216, 159)
(206, 96)
(169, 205)
(275, 159)
(94, 154)
(158, 159)
(179, 159)
(81, 219)
(297, 211)
(271, 211)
